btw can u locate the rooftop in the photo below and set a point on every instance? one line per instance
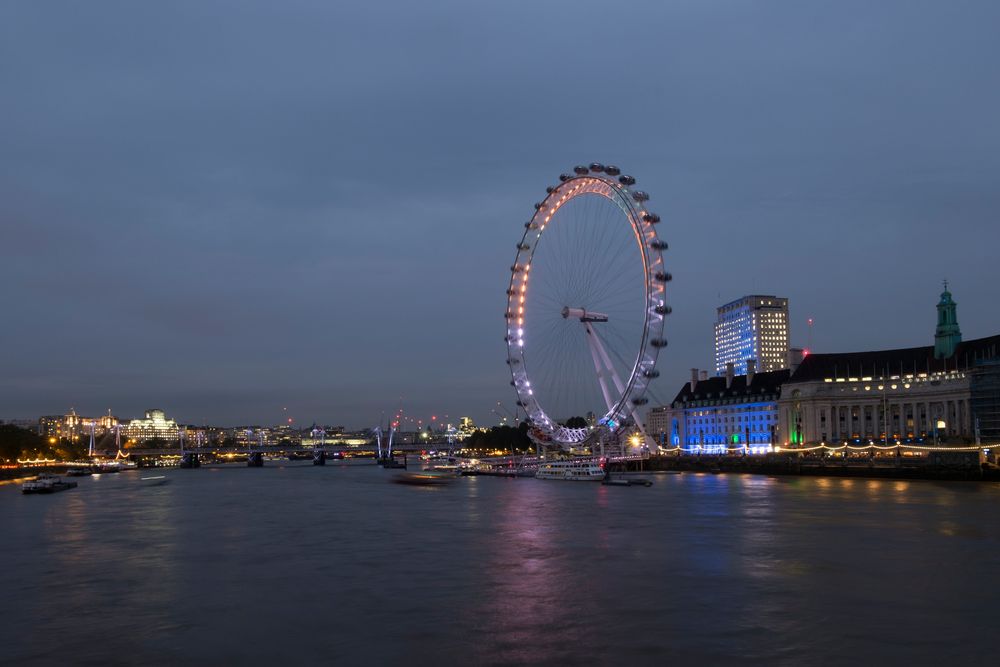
(715, 387)
(880, 363)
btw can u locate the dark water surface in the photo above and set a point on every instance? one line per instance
(308, 565)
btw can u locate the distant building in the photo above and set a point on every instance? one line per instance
(155, 425)
(754, 327)
(466, 427)
(714, 414)
(336, 435)
(106, 422)
(73, 425)
(51, 426)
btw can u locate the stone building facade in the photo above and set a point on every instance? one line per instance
(911, 395)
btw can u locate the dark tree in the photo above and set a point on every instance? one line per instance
(503, 438)
(18, 443)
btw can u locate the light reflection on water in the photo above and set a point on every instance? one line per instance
(319, 565)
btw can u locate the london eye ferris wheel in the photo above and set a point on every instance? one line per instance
(586, 305)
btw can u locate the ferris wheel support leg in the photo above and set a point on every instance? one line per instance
(596, 352)
(603, 354)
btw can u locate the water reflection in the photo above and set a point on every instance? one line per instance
(698, 569)
(527, 578)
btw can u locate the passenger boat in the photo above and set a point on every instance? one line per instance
(156, 480)
(46, 483)
(572, 471)
(452, 468)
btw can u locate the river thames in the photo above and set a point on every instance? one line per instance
(335, 565)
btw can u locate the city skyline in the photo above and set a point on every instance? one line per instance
(317, 224)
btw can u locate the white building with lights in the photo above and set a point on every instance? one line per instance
(155, 425)
(754, 327)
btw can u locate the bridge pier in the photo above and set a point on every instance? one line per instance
(391, 462)
(190, 460)
(255, 460)
(319, 457)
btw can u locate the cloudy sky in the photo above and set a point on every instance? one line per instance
(226, 209)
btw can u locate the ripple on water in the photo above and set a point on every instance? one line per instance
(313, 565)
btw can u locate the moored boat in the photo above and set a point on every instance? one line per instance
(571, 471)
(46, 483)
(626, 481)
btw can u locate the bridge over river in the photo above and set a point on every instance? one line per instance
(192, 456)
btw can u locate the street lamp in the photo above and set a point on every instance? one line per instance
(938, 427)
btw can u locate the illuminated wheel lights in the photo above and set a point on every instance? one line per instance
(626, 393)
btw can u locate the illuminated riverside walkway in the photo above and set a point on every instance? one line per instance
(958, 464)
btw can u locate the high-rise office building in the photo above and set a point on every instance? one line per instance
(754, 327)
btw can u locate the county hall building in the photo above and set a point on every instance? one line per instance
(946, 393)
(943, 393)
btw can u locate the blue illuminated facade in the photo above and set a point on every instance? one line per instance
(719, 414)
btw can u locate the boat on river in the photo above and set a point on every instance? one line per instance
(425, 477)
(626, 481)
(571, 471)
(155, 480)
(46, 483)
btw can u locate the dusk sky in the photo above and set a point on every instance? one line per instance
(224, 209)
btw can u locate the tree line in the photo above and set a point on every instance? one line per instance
(19, 443)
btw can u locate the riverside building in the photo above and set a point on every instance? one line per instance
(155, 425)
(73, 425)
(938, 394)
(943, 394)
(712, 415)
(754, 327)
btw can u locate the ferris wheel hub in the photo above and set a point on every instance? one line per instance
(583, 315)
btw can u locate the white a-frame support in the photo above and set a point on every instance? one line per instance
(602, 364)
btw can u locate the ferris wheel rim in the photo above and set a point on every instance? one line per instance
(596, 180)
